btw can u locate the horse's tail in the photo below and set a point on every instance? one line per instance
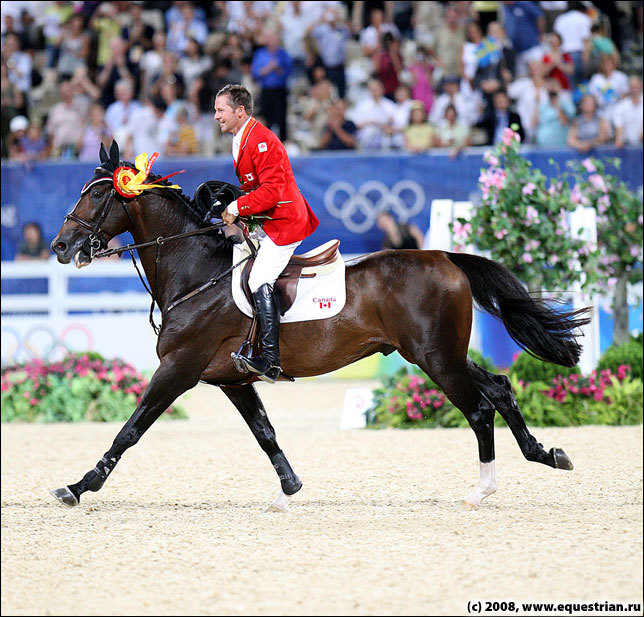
(544, 333)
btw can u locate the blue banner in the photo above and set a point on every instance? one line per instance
(344, 190)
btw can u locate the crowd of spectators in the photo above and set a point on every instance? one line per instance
(326, 75)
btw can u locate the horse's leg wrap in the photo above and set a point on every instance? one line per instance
(485, 487)
(290, 481)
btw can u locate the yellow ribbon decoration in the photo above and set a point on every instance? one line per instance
(130, 184)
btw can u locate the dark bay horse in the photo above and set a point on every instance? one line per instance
(416, 302)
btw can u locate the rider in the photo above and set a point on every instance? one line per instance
(265, 173)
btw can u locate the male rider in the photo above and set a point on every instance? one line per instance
(265, 174)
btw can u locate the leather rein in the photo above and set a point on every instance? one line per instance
(97, 248)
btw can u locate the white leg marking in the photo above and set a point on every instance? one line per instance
(280, 504)
(486, 485)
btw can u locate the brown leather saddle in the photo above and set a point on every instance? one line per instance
(285, 287)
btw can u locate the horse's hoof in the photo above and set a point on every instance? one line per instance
(561, 459)
(280, 504)
(65, 496)
(468, 505)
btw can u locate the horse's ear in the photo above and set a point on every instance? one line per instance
(114, 154)
(103, 154)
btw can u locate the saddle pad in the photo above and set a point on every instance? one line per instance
(318, 297)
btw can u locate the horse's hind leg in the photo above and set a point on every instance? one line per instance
(453, 378)
(250, 406)
(499, 390)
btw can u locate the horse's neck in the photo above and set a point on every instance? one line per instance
(179, 265)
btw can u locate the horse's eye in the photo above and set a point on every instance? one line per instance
(96, 193)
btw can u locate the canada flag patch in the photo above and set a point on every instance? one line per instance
(324, 302)
(262, 147)
(249, 177)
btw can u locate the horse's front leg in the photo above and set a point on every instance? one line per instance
(250, 406)
(173, 377)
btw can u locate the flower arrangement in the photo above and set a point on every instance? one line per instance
(81, 386)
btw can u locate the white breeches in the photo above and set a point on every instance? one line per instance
(270, 261)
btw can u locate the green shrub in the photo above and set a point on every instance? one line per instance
(629, 354)
(527, 368)
(483, 361)
(79, 387)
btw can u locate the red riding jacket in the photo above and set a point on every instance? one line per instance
(265, 173)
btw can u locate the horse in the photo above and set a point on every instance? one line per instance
(416, 302)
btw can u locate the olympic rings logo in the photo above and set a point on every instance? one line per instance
(358, 209)
(41, 341)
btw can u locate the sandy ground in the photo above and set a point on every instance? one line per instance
(179, 528)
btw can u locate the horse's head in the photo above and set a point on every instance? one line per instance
(94, 220)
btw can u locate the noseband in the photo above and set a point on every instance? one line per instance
(96, 241)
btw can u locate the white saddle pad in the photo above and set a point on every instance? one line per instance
(318, 297)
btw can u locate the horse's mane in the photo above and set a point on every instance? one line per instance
(196, 211)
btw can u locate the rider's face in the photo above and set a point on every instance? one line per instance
(230, 120)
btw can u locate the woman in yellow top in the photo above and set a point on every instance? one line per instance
(419, 135)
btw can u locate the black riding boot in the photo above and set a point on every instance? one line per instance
(266, 365)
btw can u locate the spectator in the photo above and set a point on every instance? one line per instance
(449, 43)
(183, 140)
(85, 91)
(452, 133)
(17, 132)
(331, 36)
(137, 32)
(371, 36)
(187, 26)
(149, 128)
(108, 29)
(271, 68)
(398, 235)
(33, 146)
(552, 10)
(374, 116)
(19, 64)
(421, 72)
(74, 47)
(574, 28)
(627, 116)
(419, 135)
(200, 99)
(499, 118)
(53, 18)
(552, 117)
(151, 63)
(588, 129)
(194, 63)
(524, 23)
(339, 132)
(388, 63)
(472, 49)
(169, 74)
(452, 95)
(595, 47)
(428, 21)
(557, 64)
(529, 92)
(32, 247)
(95, 133)
(404, 103)
(118, 114)
(116, 68)
(608, 86)
(12, 101)
(65, 124)
(507, 64)
(494, 63)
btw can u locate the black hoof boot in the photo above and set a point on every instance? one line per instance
(290, 481)
(561, 459)
(65, 496)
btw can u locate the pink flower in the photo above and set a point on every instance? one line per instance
(588, 164)
(509, 135)
(527, 258)
(491, 158)
(529, 188)
(499, 235)
(575, 195)
(462, 231)
(602, 204)
(597, 182)
(634, 251)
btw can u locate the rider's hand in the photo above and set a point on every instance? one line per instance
(228, 217)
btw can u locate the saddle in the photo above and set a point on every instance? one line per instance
(299, 266)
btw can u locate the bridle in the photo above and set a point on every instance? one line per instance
(96, 241)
